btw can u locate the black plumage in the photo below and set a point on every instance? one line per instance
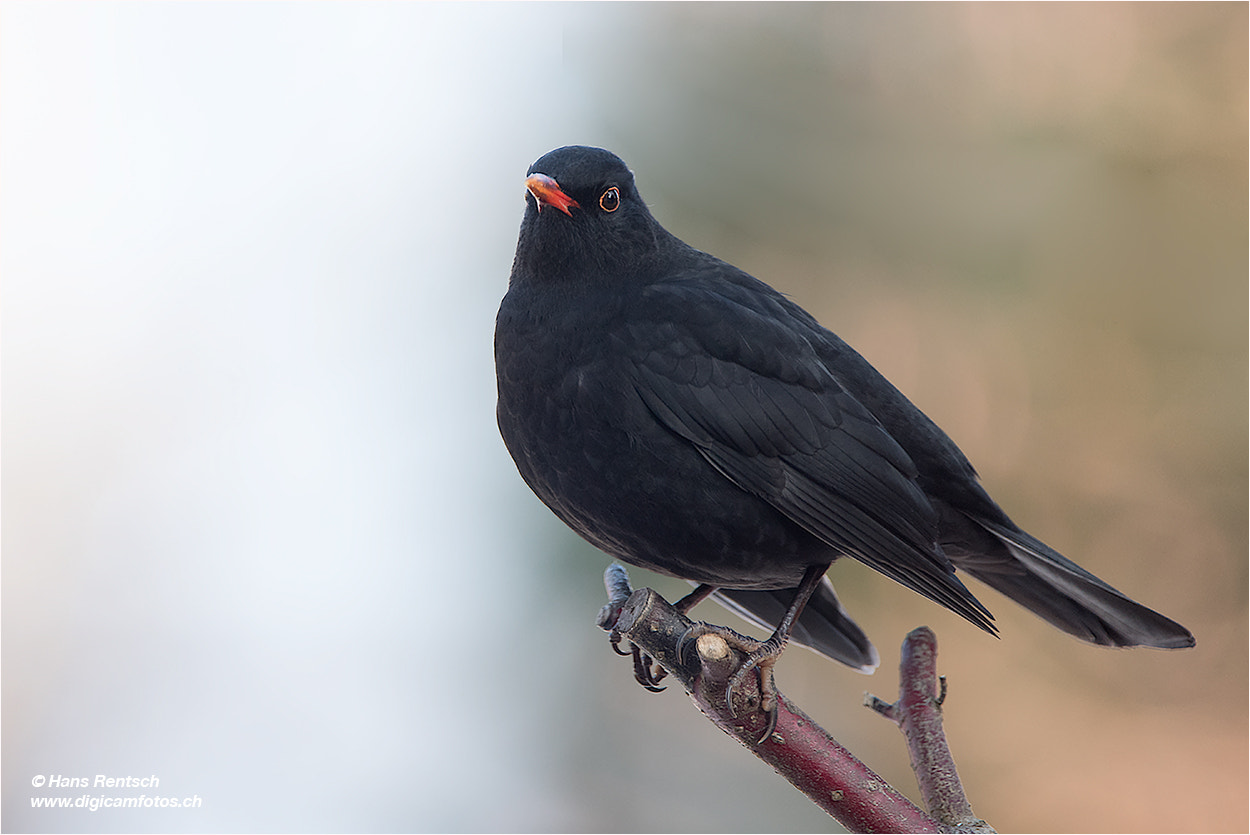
(686, 417)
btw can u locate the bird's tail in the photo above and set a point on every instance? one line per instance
(823, 625)
(1061, 592)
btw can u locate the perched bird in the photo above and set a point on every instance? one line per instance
(687, 418)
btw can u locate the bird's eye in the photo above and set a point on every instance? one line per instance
(610, 199)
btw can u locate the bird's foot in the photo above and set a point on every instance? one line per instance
(646, 672)
(760, 658)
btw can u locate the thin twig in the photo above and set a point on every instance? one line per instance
(918, 712)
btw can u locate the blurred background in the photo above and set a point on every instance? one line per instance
(261, 538)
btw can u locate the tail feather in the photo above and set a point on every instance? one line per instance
(823, 625)
(1069, 597)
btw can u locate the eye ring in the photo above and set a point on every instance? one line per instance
(610, 200)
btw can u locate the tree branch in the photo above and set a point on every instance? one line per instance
(798, 748)
(918, 713)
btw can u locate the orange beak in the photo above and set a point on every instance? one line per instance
(547, 192)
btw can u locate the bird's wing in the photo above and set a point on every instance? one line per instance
(742, 383)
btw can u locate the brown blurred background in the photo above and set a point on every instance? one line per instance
(1032, 218)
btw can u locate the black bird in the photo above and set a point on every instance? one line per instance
(687, 418)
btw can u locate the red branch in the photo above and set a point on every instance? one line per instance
(918, 713)
(798, 748)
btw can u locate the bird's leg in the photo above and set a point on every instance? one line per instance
(765, 656)
(762, 656)
(701, 592)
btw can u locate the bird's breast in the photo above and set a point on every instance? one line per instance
(587, 444)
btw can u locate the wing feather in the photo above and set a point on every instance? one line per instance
(768, 415)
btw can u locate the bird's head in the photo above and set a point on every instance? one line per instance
(584, 219)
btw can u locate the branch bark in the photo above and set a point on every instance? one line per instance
(798, 749)
(918, 712)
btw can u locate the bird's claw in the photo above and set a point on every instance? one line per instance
(737, 640)
(646, 672)
(614, 638)
(761, 662)
(760, 658)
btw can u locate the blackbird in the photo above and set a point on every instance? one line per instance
(685, 417)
